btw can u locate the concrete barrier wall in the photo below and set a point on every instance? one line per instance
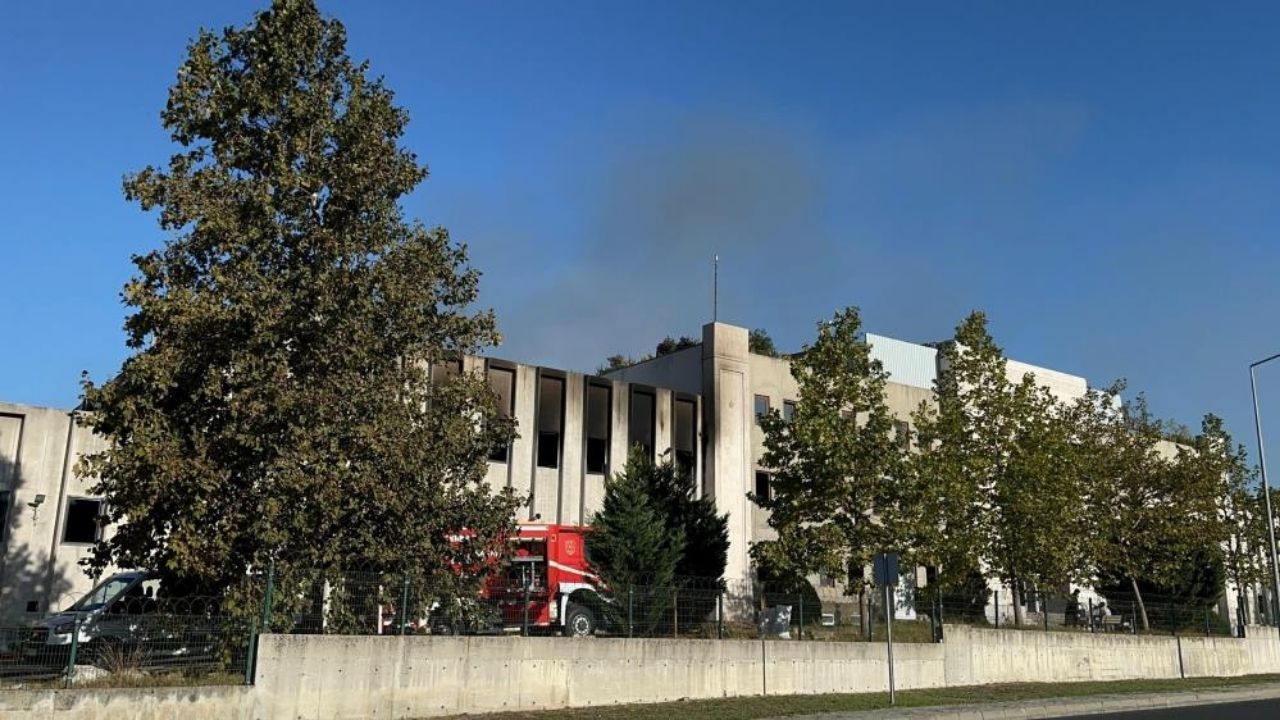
(355, 677)
(978, 657)
(307, 677)
(188, 703)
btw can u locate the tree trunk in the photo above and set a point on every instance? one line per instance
(1142, 606)
(1017, 604)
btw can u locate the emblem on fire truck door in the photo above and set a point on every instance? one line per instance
(570, 547)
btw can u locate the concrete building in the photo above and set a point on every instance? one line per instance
(49, 519)
(696, 406)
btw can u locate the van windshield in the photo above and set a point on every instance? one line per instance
(100, 596)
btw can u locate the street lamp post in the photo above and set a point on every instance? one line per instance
(1266, 488)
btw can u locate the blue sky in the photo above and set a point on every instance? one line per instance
(1101, 178)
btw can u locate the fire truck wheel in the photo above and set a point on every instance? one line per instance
(579, 621)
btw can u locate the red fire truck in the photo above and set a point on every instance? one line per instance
(548, 582)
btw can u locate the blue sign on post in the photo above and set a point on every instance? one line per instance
(884, 568)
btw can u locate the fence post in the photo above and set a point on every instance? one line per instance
(997, 612)
(1133, 617)
(800, 604)
(251, 652)
(75, 646)
(631, 621)
(937, 598)
(675, 613)
(720, 614)
(1090, 614)
(1206, 621)
(524, 623)
(1044, 609)
(404, 604)
(268, 596)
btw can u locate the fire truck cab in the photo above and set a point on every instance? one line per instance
(548, 582)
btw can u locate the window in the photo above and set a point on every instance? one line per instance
(443, 370)
(82, 521)
(788, 410)
(762, 407)
(550, 420)
(503, 383)
(762, 485)
(902, 434)
(641, 428)
(685, 433)
(599, 422)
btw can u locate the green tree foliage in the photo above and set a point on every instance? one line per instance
(839, 487)
(787, 586)
(1152, 504)
(276, 407)
(705, 533)
(670, 345)
(616, 362)
(1004, 489)
(759, 342)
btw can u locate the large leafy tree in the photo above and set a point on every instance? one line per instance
(1153, 504)
(840, 490)
(1003, 492)
(277, 407)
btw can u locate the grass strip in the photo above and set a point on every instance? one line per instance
(754, 708)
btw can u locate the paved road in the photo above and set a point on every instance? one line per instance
(1254, 710)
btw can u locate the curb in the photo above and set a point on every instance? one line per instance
(1059, 707)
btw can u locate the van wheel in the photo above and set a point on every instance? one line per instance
(579, 621)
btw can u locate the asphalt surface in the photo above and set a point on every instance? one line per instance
(1253, 710)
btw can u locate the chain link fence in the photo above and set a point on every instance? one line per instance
(129, 631)
(125, 633)
(1151, 614)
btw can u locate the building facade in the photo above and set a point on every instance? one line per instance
(697, 407)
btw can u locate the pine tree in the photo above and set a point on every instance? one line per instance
(276, 408)
(634, 548)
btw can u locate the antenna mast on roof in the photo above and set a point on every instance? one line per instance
(715, 287)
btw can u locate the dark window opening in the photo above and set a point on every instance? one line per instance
(762, 407)
(762, 485)
(902, 434)
(685, 434)
(443, 370)
(599, 415)
(82, 524)
(550, 420)
(641, 428)
(503, 383)
(788, 410)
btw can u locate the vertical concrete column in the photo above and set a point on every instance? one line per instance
(619, 431)
(521, 456)
(571, 465)
(662, 427)
(726, 393)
